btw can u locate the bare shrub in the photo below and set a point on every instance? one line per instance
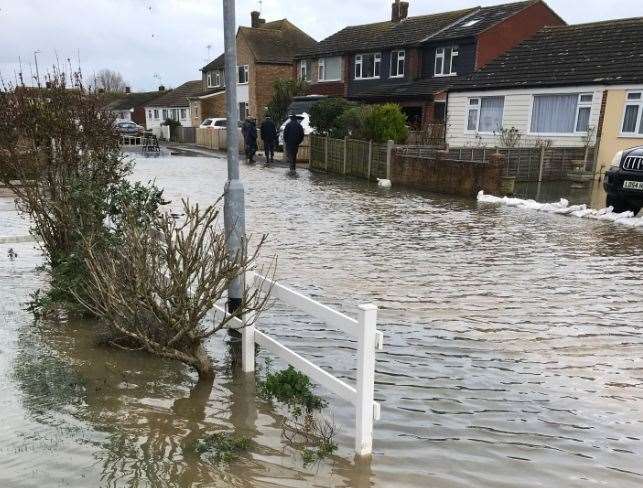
(155, 289)
(60, 156)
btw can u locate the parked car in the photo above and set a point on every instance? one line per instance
(129, 128)
(304, 120)
(301, 106)
(624, 181)
(212, 123)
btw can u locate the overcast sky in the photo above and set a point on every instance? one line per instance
(152, 41)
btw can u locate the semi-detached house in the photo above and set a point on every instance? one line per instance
(571, 85)
(265, 53)
(173, 105)
(412, 60)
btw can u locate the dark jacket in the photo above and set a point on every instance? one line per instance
(249, 131)
(293, 133)
(268, 131)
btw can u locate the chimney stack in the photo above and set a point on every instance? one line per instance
(128, 89)
(399, 11)
(257, 21)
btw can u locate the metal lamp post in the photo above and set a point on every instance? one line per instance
(233, 205)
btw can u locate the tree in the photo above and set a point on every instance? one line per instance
(109, 81)
(60, 156)
(325, 115)
(155, 289)
(283, 93)
(385, 122)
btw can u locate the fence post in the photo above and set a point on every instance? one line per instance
(542, 163)
(370, 160)
(364, 413)
(326, 153)
(389, 157)
(345, 154)
(248, 344)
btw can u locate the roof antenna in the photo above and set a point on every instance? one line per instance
(260, 6)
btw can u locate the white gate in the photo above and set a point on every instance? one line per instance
(364, 329)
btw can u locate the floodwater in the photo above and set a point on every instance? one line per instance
(513, 350)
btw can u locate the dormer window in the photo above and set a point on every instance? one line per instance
(214, 79)
(445, 61)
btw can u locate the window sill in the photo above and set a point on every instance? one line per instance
(630, 136)
(328, 81)
(396, 77)
(367, 79)
(445, 76)
(557, 134)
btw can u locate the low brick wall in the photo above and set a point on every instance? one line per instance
(442, 175)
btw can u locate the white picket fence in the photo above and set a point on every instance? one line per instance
(364, 329)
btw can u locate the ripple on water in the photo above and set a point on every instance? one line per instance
(513, 353)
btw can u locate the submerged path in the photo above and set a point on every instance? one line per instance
(514, 348)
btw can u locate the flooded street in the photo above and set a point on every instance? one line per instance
(513, 350)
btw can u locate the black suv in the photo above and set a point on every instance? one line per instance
(624, 182)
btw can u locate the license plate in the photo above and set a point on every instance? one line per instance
(633, 185)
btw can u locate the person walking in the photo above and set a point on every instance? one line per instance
(249, 132)
(293, 137)
(269, 138)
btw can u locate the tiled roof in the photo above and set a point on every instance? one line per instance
(177, 97)
(599, 53)
(482, 19)
(420, 89)
(411, 30)
(205, 93)
(415, 30)
(273, 43)
(133, 100)
(217, 63)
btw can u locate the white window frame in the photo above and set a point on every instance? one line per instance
(321, 70)
(304, 73)
(209, 80)
(478, 106)
(164, 114)
(639, 124)
(156, 114)
(441, 53)
(401, 57)
(579, 105)
(149, 114)
(184, 114)
(246, 74)
(377, 66)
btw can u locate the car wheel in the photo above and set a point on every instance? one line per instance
(621, 205)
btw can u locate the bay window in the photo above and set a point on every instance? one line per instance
(485, 114)
(329, 69)
(567, 113)
(367, 66)
(446, 61)
(184, 113)
(633, 115)
(397, 63)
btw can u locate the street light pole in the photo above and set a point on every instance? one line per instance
(233, 203)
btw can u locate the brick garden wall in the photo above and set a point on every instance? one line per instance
(464, 178)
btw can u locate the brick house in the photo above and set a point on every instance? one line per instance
(412, 60)
(265, 53)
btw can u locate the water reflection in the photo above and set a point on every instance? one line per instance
(512, 354)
